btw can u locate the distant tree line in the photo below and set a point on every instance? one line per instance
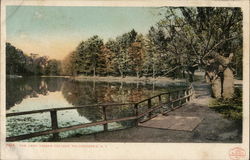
(19, 63)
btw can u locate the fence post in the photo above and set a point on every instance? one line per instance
(160, 102)
(160, 99)
(178, 97)
(105, 126)
(191, 92)
(186, 94)
(170, 98)
(149, 106)
(54, 123)
(136, 114)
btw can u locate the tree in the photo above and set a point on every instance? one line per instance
(155, 49)
(88, 54)
(53, 67)
(136, 55)
(122, 56)
(82, 59)
(15, 60)
(69, 65)
(41, 63)
(108, 57)
(210, 36)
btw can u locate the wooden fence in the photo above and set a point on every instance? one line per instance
(143, 111)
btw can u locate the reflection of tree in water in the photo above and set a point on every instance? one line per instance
(19, 88)
(91, 92)
(82, 93)
(78, 93)
(54, 84)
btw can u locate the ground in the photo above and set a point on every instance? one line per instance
(213, 127)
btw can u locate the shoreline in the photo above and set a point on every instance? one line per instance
(129, 79)
(57, 76)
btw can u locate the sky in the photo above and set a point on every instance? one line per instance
(55, 31)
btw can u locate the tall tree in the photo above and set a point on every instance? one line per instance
(69, 65)
(88, 54)
(109, 52)
(136, 55)
(15, 60)
(53, 67)
(122, 57)
(211, 36)
(155, 47)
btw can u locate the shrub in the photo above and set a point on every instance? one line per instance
(230, 108)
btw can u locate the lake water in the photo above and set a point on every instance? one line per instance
(35, 93)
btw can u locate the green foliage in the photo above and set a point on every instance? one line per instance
(15, 60)
(53, 67)
(187, 38)
(17, 63)
(197, 35)
(69, 64)
(230, 108)
(88, 56)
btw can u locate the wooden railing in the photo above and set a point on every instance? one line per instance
(161, 103)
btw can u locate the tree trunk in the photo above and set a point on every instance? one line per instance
(121, 73)
(183, 74)
(94, 85)
(207, 78)
(223, 85)
(137, 74)
(216, 88)
(190, 76)
(94, 72)
(153, 71)
(221, 76)
(228, 84)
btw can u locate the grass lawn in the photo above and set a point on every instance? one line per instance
(230, 108)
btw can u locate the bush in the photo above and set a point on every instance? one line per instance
(230, 108)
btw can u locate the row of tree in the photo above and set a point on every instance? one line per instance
(186, 39)
(18, 63)
(130, 54)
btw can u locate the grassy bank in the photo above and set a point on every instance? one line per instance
(230, 108)
(129, 79)
(52, 76)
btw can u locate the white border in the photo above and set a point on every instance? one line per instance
(130, 150)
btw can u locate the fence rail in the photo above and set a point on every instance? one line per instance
(182, 96)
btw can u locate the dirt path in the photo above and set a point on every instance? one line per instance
(213, 128)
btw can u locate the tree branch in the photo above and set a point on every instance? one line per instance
(216, 45)
(171, 70)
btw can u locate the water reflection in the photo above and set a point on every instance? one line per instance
(78, 93)
(33, 93)
(18, 89)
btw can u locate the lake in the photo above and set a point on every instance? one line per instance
(35, 93)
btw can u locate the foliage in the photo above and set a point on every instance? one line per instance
(204, 33)
(18, 63)
(53, 67)
(69, 64)
(15, 60)
(186, 39)
(230, 108)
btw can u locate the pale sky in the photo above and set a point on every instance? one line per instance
(56, 31)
